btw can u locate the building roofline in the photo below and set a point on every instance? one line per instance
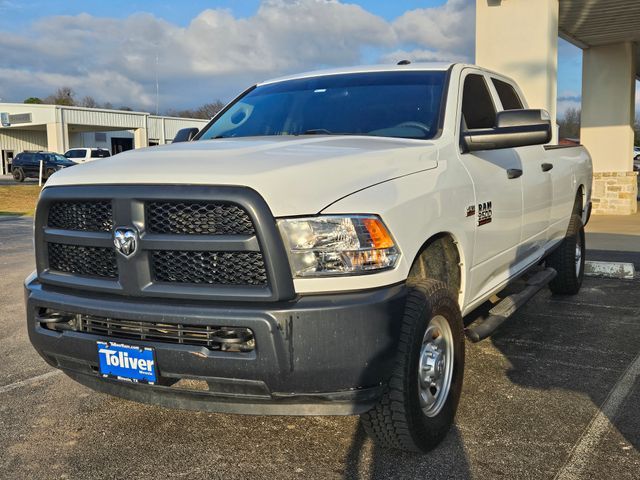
(87, 109)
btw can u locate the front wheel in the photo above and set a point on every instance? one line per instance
(568, 260)
(420, 400)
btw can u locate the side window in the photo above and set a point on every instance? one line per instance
(478, 110)
(508, 96)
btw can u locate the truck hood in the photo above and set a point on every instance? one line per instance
(295, 175)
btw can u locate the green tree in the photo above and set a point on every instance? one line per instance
(33, 100)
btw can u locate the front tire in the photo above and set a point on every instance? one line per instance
(568, 260)
(420, 400)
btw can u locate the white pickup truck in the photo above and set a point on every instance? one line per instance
(315, 252)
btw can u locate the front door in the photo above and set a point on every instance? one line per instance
(498, 192)
(7, 158)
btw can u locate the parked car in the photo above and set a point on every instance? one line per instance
(27, 165)
(316, 251)
(86, 154)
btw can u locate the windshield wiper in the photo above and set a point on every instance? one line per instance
(318, 131)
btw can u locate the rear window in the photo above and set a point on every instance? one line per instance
(100, 153)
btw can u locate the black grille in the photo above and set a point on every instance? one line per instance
(217, 268)
(228, 339)
(214, 338)
(94, 216)
(90, 261)
(198, 218)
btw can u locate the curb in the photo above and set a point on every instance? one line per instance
(610, 269)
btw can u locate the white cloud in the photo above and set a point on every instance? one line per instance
(218, 55)
(450, 27)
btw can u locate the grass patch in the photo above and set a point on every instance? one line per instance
(18, 199)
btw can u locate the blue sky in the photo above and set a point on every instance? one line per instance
(213, 49)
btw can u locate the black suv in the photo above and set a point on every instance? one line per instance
(27, 165)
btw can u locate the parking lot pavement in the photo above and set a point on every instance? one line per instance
(8, 180)
(554, 394)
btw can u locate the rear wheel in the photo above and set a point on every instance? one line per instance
(18, 174)
(568, 260)
(420, 399)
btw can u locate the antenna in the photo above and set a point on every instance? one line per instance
(157, 82)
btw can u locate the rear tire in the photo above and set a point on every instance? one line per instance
(411, 415)
(568, 260)
(18, 174)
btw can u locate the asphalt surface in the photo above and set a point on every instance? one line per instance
(554, 394)
(8, 180)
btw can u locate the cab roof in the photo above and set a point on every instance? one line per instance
(435, 66)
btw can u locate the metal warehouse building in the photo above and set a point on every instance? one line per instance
(58, 128)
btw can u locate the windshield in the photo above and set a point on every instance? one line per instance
(387, 104)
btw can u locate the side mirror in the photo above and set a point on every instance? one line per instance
(514, 128)
(185, 135)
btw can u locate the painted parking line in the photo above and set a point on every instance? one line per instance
(28, 381)
(601, 423)
(623, 270)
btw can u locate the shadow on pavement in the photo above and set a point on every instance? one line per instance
(448, 460)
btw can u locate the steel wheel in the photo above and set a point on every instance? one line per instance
(435, 368)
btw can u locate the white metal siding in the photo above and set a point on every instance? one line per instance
(20, 140)
(99, 118)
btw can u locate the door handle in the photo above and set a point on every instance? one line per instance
(514, 173)
(546, 167)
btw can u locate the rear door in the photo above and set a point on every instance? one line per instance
(498, 206)
(30, 164)
(537, 186)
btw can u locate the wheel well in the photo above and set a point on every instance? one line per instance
(439, 259)
(578, 204)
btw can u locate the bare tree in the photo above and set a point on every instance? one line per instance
(89, 102)
(206, 111)
(63, 96)
(570, 123)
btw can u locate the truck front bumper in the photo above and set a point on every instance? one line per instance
(316, 355)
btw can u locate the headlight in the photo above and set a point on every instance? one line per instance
(338, 245)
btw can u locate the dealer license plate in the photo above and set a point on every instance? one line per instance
(131, 363)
